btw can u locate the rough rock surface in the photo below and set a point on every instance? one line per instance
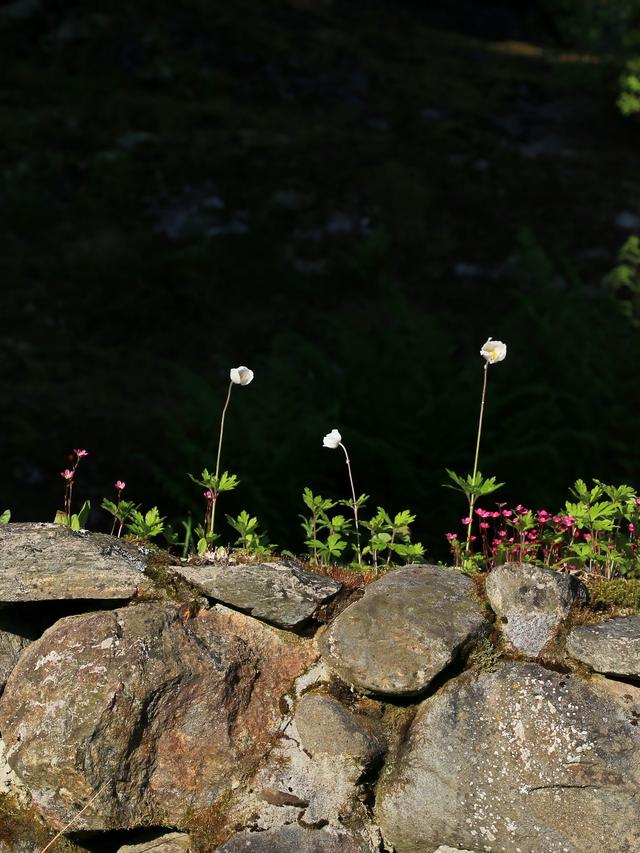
(168, 709)
(405, 630)
(293, 839)
(11, 647)
(326, 726)
(520, 758)
(282, 593)
(171, 842)
(532, 603)
(45, 562)
(612, 646)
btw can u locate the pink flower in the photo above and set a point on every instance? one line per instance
(521, 508)
(587, 536)
(631, 528)
(119, 484)
(208, 495)
(67, 474)
(507, 512)
(466, 520)
(502, 532)
(81, 453)
(482, 513)
(637, 501)
(484, 525)
(451, 536)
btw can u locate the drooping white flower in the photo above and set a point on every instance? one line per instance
(241, 375)
(493, 351)
(332, 439)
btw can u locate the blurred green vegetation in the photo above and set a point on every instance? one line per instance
(346, 200)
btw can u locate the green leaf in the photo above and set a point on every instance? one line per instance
(5, 517)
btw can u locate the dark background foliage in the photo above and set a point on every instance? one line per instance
(348, 198)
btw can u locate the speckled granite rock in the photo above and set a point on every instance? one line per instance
(531, 603)
(45, 562)
(405, 630)
(612, 646)
(518, 758)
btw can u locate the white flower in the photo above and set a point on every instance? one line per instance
(240, 375)
(332, 439)
(494, 351)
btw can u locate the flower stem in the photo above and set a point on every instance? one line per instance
(215, 494)
(472, 497)
(355, 504)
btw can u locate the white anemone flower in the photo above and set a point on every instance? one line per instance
(332, 439)
(493, 351)
(241, 375)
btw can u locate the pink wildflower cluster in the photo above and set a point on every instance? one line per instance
(520, 534)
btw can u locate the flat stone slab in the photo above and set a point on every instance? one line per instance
(405, 630)
(171, 842)
(517, 759)
(48, 562)
(611, 647)
(532, 603)
(281, 593)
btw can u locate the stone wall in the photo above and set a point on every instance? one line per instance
(261, 708)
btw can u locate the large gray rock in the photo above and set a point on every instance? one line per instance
(520, 758)
(46, 562)
(169, 710)
(532, 603)
(293, 839)
(326, 726)
(282, 593)
(405, 630)
(612, 646)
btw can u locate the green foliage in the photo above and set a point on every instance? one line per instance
(121, 511)
(329, 536)
(605, 594)
(226, 482)
(391, 537)
(205, 539)
(145, 526)
(250, 538)
(77, 520)
(629, 87)
(624, 280)
(5, 517)
(472, 487)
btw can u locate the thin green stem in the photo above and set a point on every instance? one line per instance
(355, 504)
(472, 497)
(215, 494)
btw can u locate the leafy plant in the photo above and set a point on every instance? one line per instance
(250, 538)
(624, 279)
(594, 535)
(391, 537)
(121, 511)
(629, 85)
(145, 526)
(328, 536)
(5, 518)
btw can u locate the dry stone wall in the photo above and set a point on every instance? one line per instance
(209, 708)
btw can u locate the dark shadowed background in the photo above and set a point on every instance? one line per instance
(349, 198)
